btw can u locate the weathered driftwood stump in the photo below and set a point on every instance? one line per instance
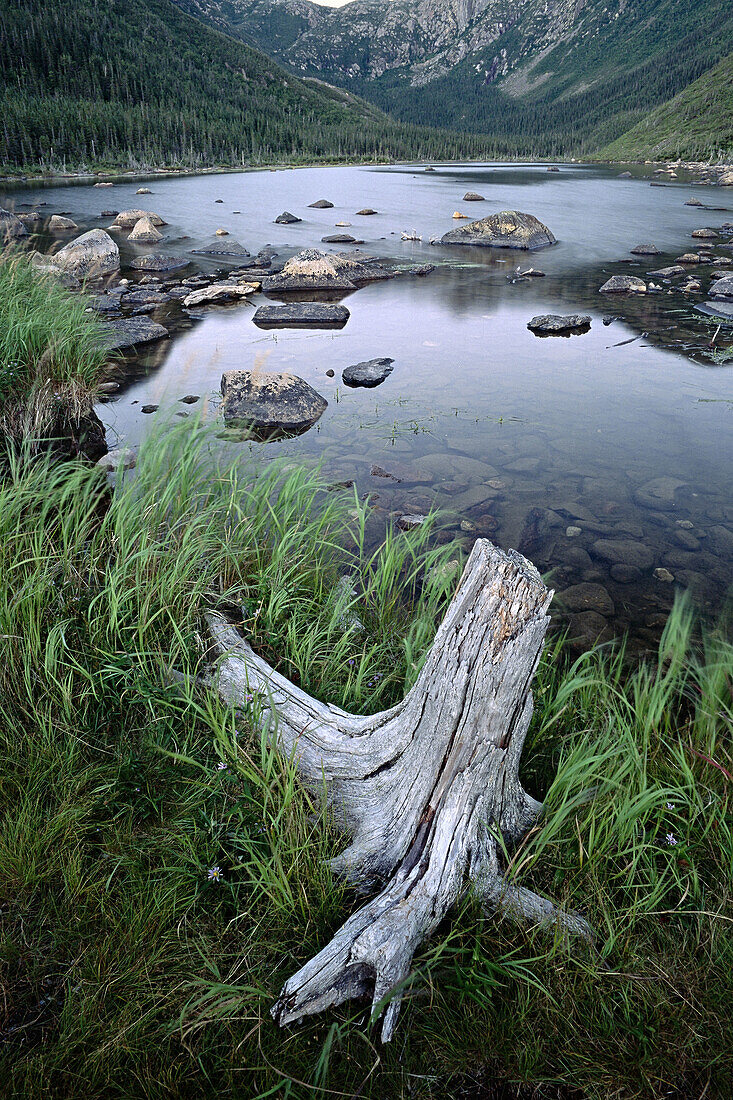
(423, 789)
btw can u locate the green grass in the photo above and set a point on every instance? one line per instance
(51, 357)
(126, 972)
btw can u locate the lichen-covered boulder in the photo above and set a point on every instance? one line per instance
(623, 284)
(89, 256)
(508, 229)
(59, 223)
(270, 402)
(722, 288)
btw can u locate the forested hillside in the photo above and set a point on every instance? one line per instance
(543, 77)
(696, 125)
(139, 83)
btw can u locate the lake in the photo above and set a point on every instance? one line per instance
(605, 457)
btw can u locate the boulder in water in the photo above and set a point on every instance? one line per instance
(369, 373)
(508, 229)
(145, 232)
(473, 196)
(309, 269)
(57, 223)
(156, 261)
(301, 315)
(286, 218)
(126, 219)
(623, 284)
(130, 332)
(722, 288)
(270, 402)
(321, 204)
(89, 256)
(645, 250)
(553, 324)
(366, 212)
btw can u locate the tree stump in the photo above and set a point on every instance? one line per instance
(424, 788)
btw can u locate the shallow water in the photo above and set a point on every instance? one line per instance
(515, 437)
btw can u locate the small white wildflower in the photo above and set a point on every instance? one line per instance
(221, 766)
(671, 806)
(671, 839)
(214, 874)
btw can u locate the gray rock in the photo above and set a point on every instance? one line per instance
(472, 196)
(126, 219)
(668, 272)
(660, 493)
(122, 458)
(156, 261)
(624, 175)
(149, 408)
(645, 250)
(130, 332)
(366, 211)
(270, 402)
(286, 218)
(589, 627)
(723, 288)
(620, 284)
(587, 597)
(221, 248)
(624, 552)
(508, 229)
(705, 234)
(59, 224)
(664, 575)
(693, 202)
(339, 238)
(145, 232)
(321, 204)
(89, 256)
(11, 228)
(549, 324)
(301, 315)
(410, 522)
(145, 297)
(219, 292)
(369, 373)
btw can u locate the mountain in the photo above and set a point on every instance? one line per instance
(549, 76)
(696, 125)
(138, 83)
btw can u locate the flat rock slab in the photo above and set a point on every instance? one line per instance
(302, 315)
(219, 292)
(553, 324)
(724, 310)
(130, 332)
(370, 373)
(145, 297)
(508, 229)
(156, 261)
(659, 494)
(270, 402)
(645, 250)
(339, 238)
(668, 272)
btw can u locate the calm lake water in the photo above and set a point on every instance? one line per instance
(525, 440)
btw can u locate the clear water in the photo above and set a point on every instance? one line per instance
(568, 429)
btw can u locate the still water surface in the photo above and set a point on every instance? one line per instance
(570, 431)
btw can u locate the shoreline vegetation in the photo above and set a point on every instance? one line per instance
(162, 870)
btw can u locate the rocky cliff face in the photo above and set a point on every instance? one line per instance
(423, 39)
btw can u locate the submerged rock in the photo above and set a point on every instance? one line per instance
(270, 402)
(660, 493)
(221, 248)
(508, 229)
(369, 373)
(587, 597)
(552, 324)
(301, 315)
(89, 256)
(623, 284)
(130, 332)
(645, 250)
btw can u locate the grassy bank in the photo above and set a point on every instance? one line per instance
(162, 872)
(51, 357)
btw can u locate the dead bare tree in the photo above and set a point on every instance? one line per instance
(428, 791)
